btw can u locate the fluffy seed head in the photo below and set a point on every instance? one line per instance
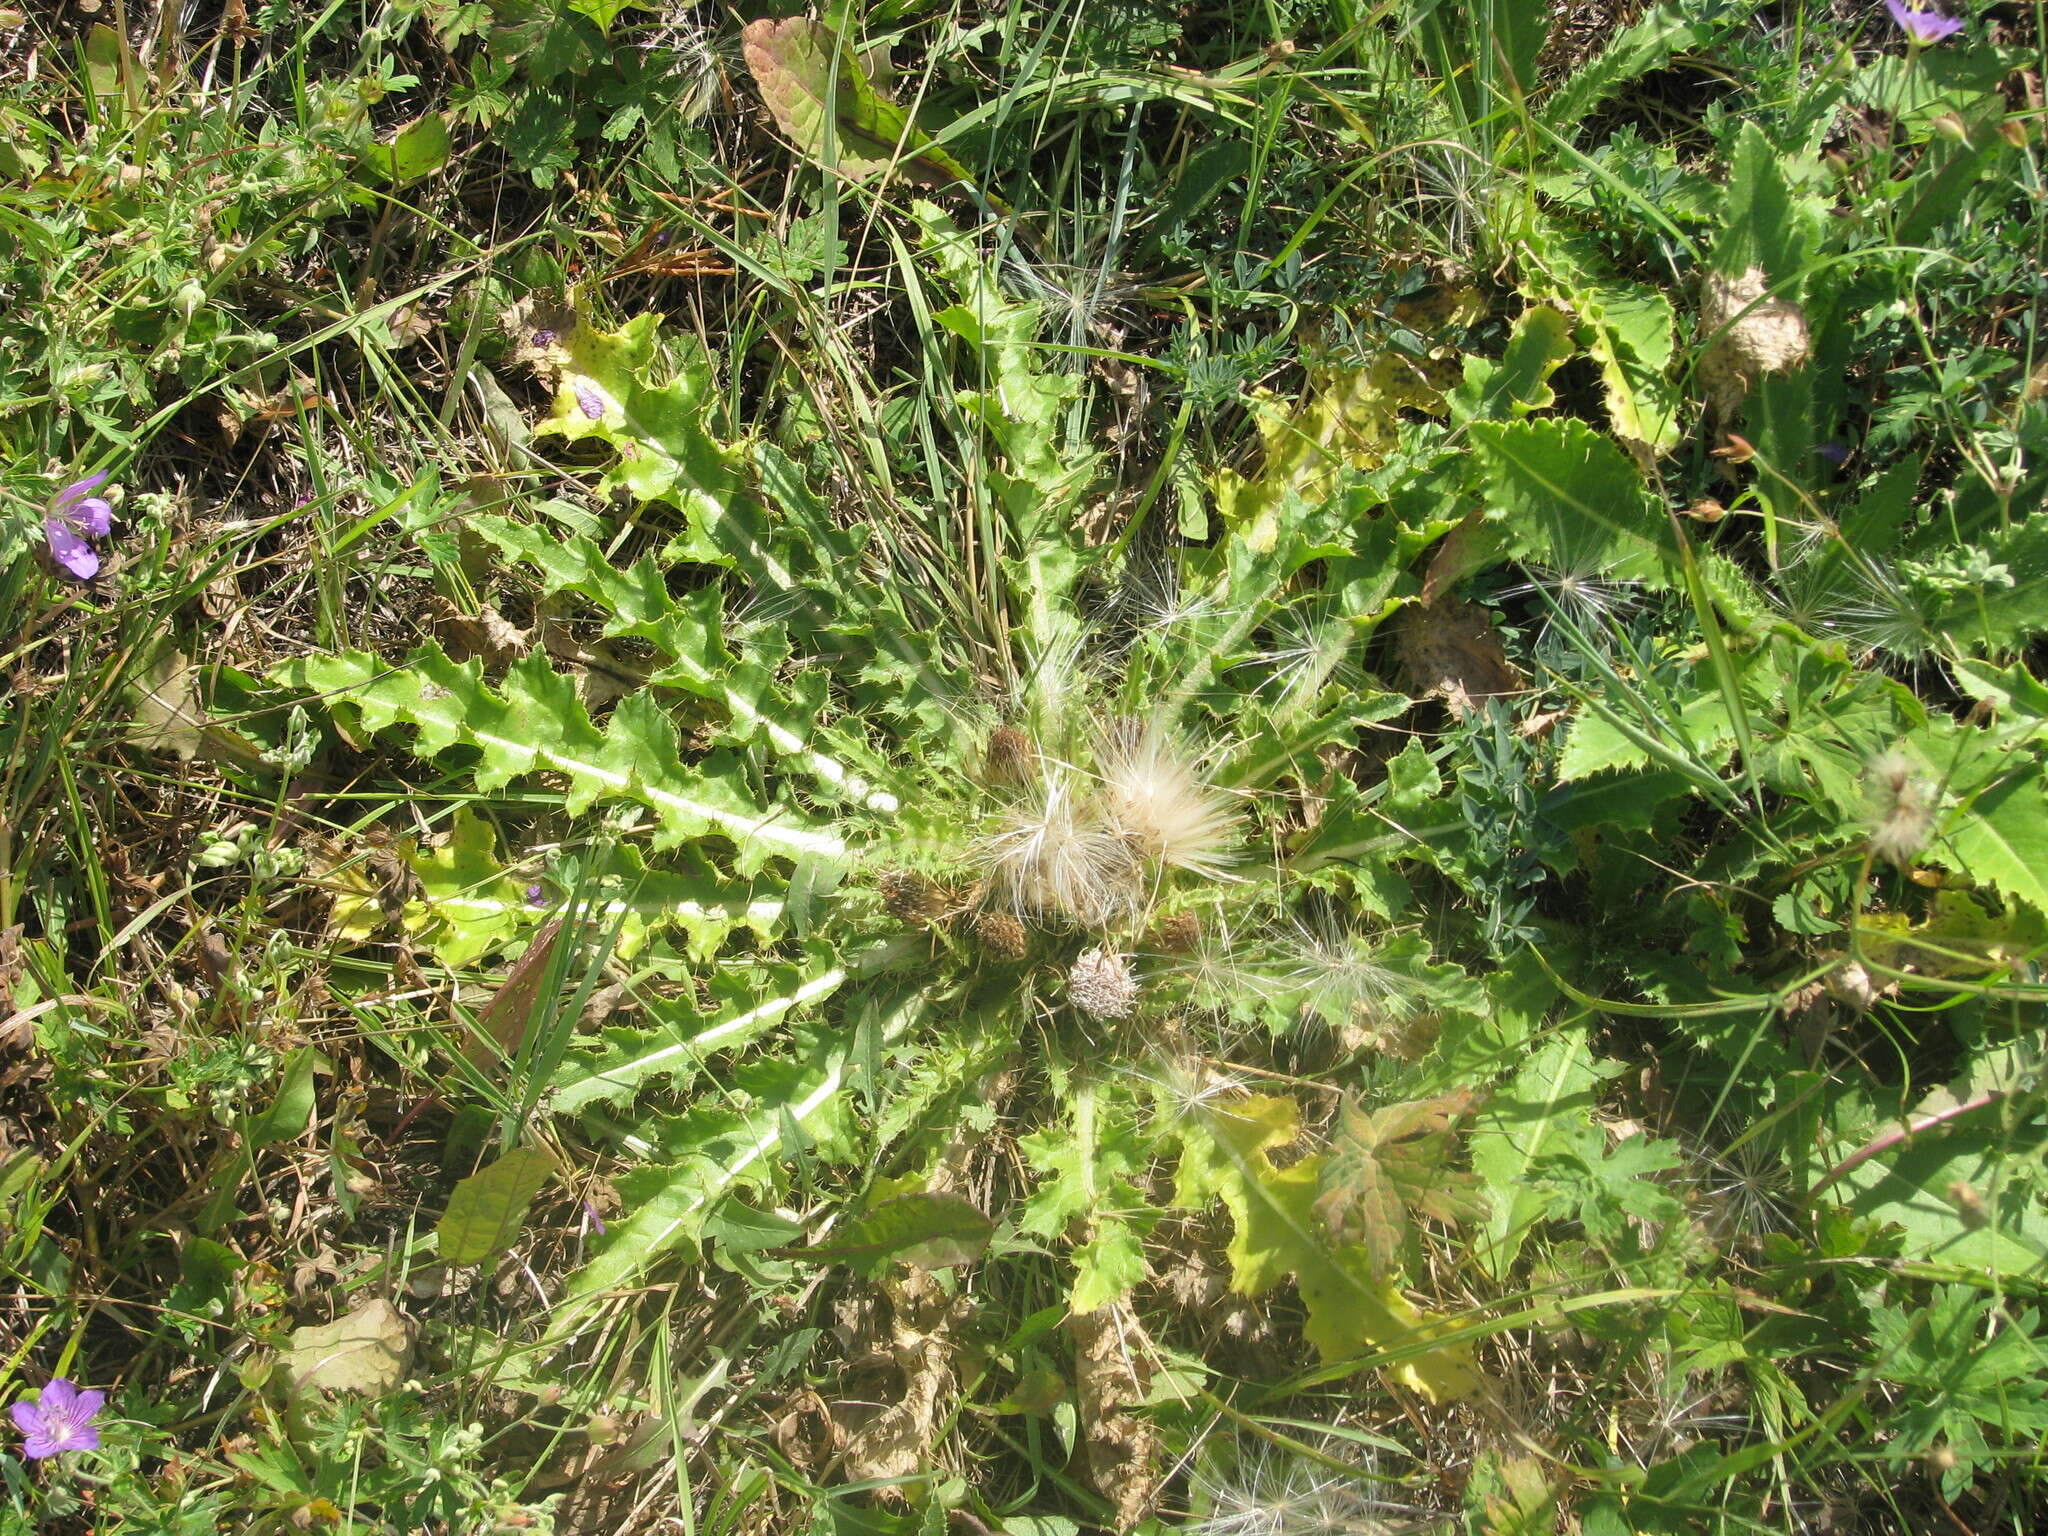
(1273, 1490)
(1901, 808)
(1155, 796)
(1057, 856)
(1340, 978)
(1756, 336)
(1101, 985)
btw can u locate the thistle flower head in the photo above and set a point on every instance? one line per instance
(1155, 796)
(1057, 856)
(1901, 808)
(1001, 936)
(1101, 985)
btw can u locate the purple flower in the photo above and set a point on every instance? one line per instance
(75, 517)
(591, 400)
(536, 895)
(1923, 27)
(59, 1420)
(596, 1221)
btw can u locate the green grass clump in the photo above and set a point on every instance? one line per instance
(1252, 771)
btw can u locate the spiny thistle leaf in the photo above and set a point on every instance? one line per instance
(604, 390)
(1087, 1185)
(1390, 1165)
(1039, 473)
(535, 723)
(1277, 1233)
(750, 1001)
(723, 1144)
(1571, 499)
(1628, 328)
(687, 630)
(686, 894)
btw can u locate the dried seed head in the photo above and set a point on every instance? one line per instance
(913, 898)
(1011, 759)
(1057, 856)
(1002, 937)
(1752, 335)
(1901, 808)
(1157, 799)
(1177, 933)
(1101, 985)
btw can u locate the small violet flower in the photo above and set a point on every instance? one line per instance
(1922, 28)
(77, 516)
(59, 1420)
(591, 401)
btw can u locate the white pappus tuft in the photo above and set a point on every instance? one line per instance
(1154, 794)
(1057, 855)
(1275, 1490)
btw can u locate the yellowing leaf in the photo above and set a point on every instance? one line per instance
(368, 1351)
(1277, 1234)
(468, 904)
(606, 389)
(1350, 420)
(823, 100)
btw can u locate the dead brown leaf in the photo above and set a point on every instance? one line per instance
(487, 633)
(1452, 649)
(897, 1442)
(1122, 1452)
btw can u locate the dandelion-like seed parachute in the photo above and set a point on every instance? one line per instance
(1155, 797)
(1057, 855)
(1901, 808)
(1266, 1489)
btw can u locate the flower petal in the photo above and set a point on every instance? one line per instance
(93, 517)
(77, 557)
(87, 1403)
(78, 488)
(83, 1438)
(1921, 26)
(58, 1395)
(39, 1446)
(28, 1418)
